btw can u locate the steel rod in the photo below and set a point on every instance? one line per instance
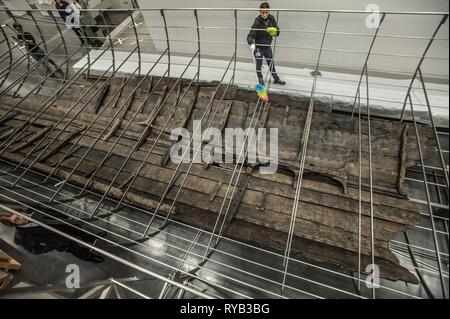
(147, 155)
(430, 209)
(442, 22)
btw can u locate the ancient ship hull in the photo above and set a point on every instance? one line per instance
(129, 146)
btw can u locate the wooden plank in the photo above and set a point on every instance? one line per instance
(5, 279)
(118, 120)
(7, 133)
(402, 171)
(191, 107)
(61, 144)
(118, 96)
(144, 98)
(33, 138)
(262, 205)
(225, 115)
(7, 262)
(151, 119)
(285, 119)
(166, 157)
(101, 97)
(236, 200)
(326, 213)
(69, 155)
(215, 191)
(264, 115)
(155, 110)
(97, 186)
(8, 117)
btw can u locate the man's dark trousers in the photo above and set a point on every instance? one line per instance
(264, 53)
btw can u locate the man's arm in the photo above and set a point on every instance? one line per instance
(252, 34)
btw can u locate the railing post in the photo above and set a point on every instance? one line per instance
(443, 20)
(45, 48)
(367, 60)
(235, 43)
(50, 13)
(111, 44)
(198, 42)
(167, 38)
(137, 42)
(9, 54)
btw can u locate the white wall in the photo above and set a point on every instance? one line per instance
(416, 26)
(17, 5)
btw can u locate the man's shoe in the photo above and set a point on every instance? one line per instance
(280, 82)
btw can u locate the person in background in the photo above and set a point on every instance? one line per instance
(33, 49)
(39, 240)
(65, 11)
(263, 30)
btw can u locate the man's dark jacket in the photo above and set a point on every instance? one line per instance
(39, 240)
(258, 33)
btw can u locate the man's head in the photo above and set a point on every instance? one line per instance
(11, 219)
(264, 10)
(18, 28)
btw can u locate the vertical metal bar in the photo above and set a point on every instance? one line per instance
(5, 54)
(172, 180)
(45, 48)
(16, 92)
(101, 251)
(143, 162)
(190, 164)
(59, 92)
(138, 111)
(369, 142)
(111, 44)
(359, 190)
(273, 55)
(275, 42)
(135, 147)
(198, 41)
(60, 121)
(417, 268)
(99, 135)
(137, 42)
(243, 152)
(427, 193)
(235, 42)
(9, 54)
(167, 37)
(367, 59)
(19, 61)
(72, 119)
(441, 157)
(41, 110)
(304, 147)
(443, 20)
(24, 75)
(66, 74)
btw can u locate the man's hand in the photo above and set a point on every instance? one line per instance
(272, 31)
(252, 47)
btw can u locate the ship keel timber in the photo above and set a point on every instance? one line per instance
(122, 134)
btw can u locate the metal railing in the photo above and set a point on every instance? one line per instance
(132, 34)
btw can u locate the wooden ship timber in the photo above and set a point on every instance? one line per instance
(326, 225)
